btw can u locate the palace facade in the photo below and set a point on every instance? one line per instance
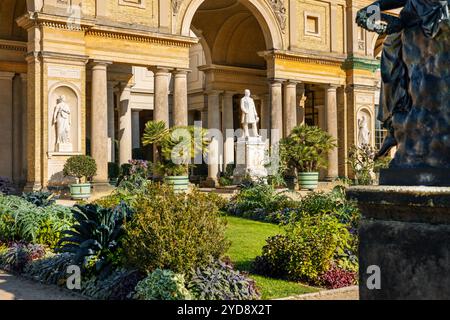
(120, 63)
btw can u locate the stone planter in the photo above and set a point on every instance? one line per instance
(80, 191)
(179, 184)
(308, 180)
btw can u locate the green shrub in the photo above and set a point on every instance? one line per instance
(40, 198)
(21, 220)
(174, 231)
(176, 146)
(260, 202)
(96, 237)
(80, 167)
(307, 250)
(113, 170)
(163, 285)
(306, 149)
(333, 203)
(218, 281)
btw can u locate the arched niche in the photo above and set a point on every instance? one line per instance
(368, 113)
(72, 96)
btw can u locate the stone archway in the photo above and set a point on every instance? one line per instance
(261, 11)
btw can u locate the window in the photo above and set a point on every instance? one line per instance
(380, 132)
(312, 24)
(133, 3)
(311, 112)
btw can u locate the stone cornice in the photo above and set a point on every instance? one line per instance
(144, 37)
(232, 70)
(90, 28)
(360, 63)
(13, 45)
(303, 57)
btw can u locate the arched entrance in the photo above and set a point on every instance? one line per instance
(228, 59)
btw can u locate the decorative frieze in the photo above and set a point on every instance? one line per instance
(280, 12)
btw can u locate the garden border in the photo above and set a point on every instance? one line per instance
(322, 293)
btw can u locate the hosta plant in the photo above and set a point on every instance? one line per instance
(6, 186)
(163, 285)
(97, 234)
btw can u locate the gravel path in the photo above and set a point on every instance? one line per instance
(15, 288)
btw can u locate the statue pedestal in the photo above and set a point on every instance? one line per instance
(251, 155)
(64, 147)
(405, 231)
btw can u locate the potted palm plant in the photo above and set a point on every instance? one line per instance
(306, 150)
(175, 148)
(82, 168)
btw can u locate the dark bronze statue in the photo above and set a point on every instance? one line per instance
(415, 68)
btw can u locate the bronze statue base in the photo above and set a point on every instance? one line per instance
(432, 177)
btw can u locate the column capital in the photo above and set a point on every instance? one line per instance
(228, 93)
(213, 92)
(100, 63)
(24, 77)
(292, 82)
(159, 70)
(181, 72)
(276, 82)
(331, 86)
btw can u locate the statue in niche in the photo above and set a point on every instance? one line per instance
(415, 69)
(249, 115)
(364, 132)
(62, 121)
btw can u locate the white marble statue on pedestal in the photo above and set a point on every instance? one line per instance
(62, 121)
(250, 150)
(249, 115)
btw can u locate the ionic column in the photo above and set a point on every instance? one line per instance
(125, 131)
(276, 112)
(290, 107)
(332, 127)
(180, 98)
(204, 118)
(17, 130)
(111, 122)
(23, 77)
(214, 130)
(161, 104)
(7, 124)
(228, 129)
(265, 112)
(136, 129)
(99, 119)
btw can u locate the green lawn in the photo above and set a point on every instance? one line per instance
(247, 239)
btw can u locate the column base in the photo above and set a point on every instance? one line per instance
(32, 187)
(210, 183)
(405, 232)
